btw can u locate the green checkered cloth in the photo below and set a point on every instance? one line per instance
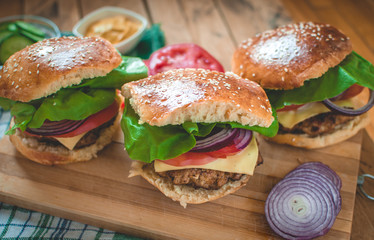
(18, 223)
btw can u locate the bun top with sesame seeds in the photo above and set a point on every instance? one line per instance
(198, 95)
(285, 57)
(45, 67)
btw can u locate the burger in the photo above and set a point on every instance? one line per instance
(190, 132)
(311, 76)
(62, 95)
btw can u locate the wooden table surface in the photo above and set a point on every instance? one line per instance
(352, 17)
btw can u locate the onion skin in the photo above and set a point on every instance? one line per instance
(350, 112)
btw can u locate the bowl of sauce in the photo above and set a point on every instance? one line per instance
(121, 27)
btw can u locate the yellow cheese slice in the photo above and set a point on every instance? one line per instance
(244, 162)
(290, 118)
(70, 142)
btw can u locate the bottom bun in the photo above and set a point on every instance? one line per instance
(339, 135)
(45, 154)
(184, 193)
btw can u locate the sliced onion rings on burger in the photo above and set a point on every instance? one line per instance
(223, 138)
(350, 112)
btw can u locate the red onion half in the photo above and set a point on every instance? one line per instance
(223, 138)
(304, 205)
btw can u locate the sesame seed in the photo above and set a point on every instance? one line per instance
(16, 87)
(37, 72)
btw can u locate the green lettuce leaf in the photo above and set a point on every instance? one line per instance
(148, 143)
(75, 102)
(65, 104)
(23, 113)
(6, 103)
(353, 70)
(131, 68)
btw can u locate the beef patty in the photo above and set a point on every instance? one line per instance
(320, 124)
(88, 139)
(197, 177)
(203, 178)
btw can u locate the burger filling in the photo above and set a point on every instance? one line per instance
(211, 176)
(320, 124)
(88, 138)
(201, 178)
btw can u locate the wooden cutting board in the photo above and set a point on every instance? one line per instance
(99, 193)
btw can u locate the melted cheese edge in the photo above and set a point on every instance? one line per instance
(71, 141)
(244, 162)
(290, 118)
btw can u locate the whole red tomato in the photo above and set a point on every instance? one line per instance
(185, 55)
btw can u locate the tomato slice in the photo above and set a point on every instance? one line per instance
(351, 92)
(185, 55)
(290, 108)
(202, 158)
(91, 122)
(190, 158)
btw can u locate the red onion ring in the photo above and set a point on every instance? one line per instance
(53, 128)
(243, 139)
(223, 138)
(350, 112)
(322, 180)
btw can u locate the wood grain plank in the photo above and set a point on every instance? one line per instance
(65, 13)
(189, 25)
(9, 8)
(132, 5)
(173, 22)
(247, 18)
(360, 17)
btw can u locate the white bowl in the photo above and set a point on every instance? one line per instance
(127, 44)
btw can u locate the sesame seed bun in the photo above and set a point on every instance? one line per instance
(198, 95)
(285, 57)
(45, 67)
